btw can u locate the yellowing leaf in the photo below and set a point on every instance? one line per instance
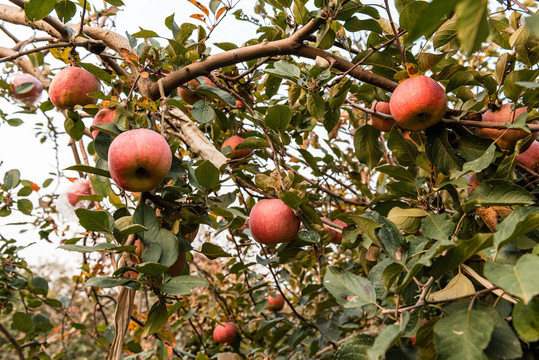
(460, 285)
(199, 17)
(200, 6)
(220, 12)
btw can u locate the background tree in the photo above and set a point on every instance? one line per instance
(413, 240)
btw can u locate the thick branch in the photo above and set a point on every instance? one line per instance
(13, 341)
(14, 15)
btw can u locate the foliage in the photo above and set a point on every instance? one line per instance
(427, 267)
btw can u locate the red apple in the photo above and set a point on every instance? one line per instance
(233, 142)
(506, 139)
(80, 187)
(378, 122)
(71, 87)
(272, 222)
(336, 237)
(275, 302)
(418, 103)
(102, 116)
(472, 180)
(139, 160)
(189, 95)
(26, 89)
(225, 333)
(530, 157)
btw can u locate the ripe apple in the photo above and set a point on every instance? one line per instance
(233, 142)
(80, 187)
(336, 237)
(139, 160)
(272, 222)
(275, 302)
(189, 95)
(225, 333)
(418, 103)
(506, 139)
(530, 157)
(378, 122)
(71, 87)
(102, 116)
(26, 89)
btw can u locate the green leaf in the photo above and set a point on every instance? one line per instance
(253, 143)
(38, 9)
(504, 343)
(99, 72)
(12, 179)
(182, 285)
(25, 206)
(157, 318)
(521, 221)
(109, 282)
(74, 126)
(99, 221)
(430, 16)
(463, 335)
(354, 25)
(22, 322)
(472, 24)
(89, 170)
(278, 117)
(479, 164)
(284, 70)
(526, 320)
(145, 34)
(385, 339)
(212, 251)
(351, 291)
(355, 348)
(445, 34)
(367, 145)
(104, 247)
(202, 111)
(152, 268)
(403, 149)
(397, 173)
(216, 93)
(411, 14)
(519, 280)
(40, 285)
(316, 106)
(311, 160)
(439, 150)
(301, 14)
(208, 176)
(226, 46)
(497, 193)
(438, 226)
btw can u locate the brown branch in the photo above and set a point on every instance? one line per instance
(13, 341)
(41, 48)
(53, 23)
(26, 66)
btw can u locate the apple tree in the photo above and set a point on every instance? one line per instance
(357, 181)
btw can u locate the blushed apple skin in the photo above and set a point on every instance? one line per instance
(506, 140)
(102, 116)
(418, 103)
(233, 142)
(530, 157)
(70, 87)
(336, 237)
(225, 333)
(272, 222)
(378, 122)
(30, 97)
(80, 187)
(275, 302)
(139, 160)
(189, 96)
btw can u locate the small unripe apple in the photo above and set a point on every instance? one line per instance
(506, 139)
(530, 157)
(80, 187)
(272, 222)
(418, 103)
(336, 237)
(71, 87)
(275, 302)
(189, 95)
(233, 142)
(225, 333)
(378, 122)
(102, 116)
(139, 160)
(26, 89)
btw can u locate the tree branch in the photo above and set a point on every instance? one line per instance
(13, 341)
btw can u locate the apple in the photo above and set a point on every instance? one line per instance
(418, 103)
(71, 87)
(102, 116)
(189, 95)
(233, 142)
(272, 222)
(473, 182)
(506, 139)
(139, 160)
(336, 237)
(530, 157)
(80, 187)
(275, 302)
(378, 122)
(225, 333)
(26, 89)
